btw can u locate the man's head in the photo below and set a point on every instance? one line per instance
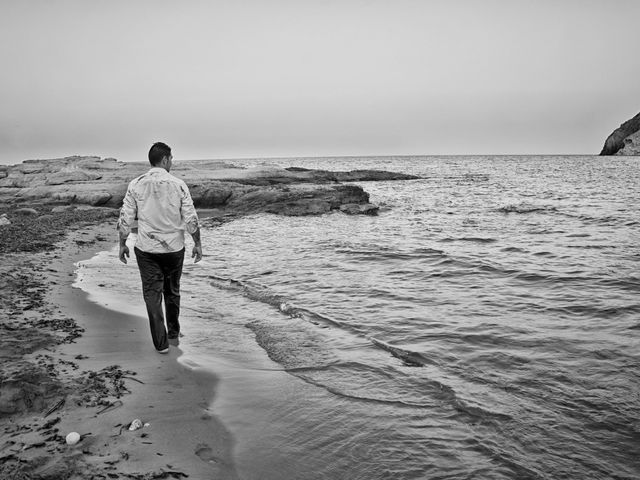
(160, 155)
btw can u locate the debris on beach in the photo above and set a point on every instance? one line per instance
(55, 407)
(135, 425)
(94, 388)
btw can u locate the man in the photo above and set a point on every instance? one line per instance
(164, 209)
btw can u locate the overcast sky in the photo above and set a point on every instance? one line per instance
(265, 78)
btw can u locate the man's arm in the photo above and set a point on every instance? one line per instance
(190, 218)
(127, 216)
(196, 253)
(124, 250)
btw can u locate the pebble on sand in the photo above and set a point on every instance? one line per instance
(73, 438)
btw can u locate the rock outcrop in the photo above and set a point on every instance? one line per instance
(91, 181)
(625, 140)
(631, 145)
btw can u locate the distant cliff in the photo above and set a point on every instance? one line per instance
(625, 140)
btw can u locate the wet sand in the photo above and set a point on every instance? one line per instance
(70, 365)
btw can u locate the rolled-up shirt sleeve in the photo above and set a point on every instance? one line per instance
(188, 211)
(128, 212)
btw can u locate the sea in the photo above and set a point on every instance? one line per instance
(484, 325)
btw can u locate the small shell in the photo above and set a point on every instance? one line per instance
(135, 425)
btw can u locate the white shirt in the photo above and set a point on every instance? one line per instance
(164, 209)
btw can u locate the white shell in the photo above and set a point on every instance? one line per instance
(135, 425)
(73, 438)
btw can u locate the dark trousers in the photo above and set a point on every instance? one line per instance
(160, 274)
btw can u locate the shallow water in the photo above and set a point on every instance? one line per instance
(485, 325)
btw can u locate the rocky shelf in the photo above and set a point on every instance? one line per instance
(84, 182)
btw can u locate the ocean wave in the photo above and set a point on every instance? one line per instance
(594, 310)
(282, 341)
(263, 294)
(545, 254)
(476, 413)
(554, 279)
(600, 220)
(285, 306)
(451, 267)
(468, 239)
(525, 207)
(514, 250)
(409, 358)
(294, 346)
(382, 253)
(367, 383)
(361, 395)
(308, 354)
(515, 468)
(384, 384)
(631, 283)
(467, 178)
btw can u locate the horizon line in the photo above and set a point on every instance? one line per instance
(293, 157)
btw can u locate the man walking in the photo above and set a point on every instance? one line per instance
(164, 209)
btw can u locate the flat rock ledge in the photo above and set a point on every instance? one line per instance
(82, 182)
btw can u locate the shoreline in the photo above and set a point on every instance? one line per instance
(182, 439)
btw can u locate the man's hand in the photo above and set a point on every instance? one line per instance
(124, 253)
(124, 250)
(196, 254)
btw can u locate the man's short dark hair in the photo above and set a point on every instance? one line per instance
(158, 151)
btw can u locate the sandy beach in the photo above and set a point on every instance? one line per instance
(73, 366)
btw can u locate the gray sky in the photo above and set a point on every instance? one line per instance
(259, 78)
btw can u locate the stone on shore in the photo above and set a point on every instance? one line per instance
(25, 211)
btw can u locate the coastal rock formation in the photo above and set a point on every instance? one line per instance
(302, 200)
(624, 140)
(214, 184)
(631, 145)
